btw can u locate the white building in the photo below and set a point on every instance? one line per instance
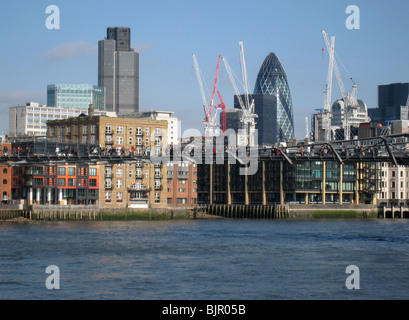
(394, 184)
(173, 123)
(31, 119)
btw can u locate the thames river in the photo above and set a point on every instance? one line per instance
(205, 259)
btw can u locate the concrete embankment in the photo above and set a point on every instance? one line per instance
(91, 213)
(291, 211)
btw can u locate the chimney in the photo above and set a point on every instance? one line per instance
(91, 110)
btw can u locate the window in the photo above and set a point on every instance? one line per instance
(130, 140)
(119, 183)
(93, 139)
(138, 141)
(71, 171)
(130, 131)
(119, 172)
(71, 182)
(61, 182)
(92, 182)
(93, 171)
(181, 200)
(119, 196)
(108, 129)
(61, 171)
(108, 195)
(4, 181)
(147, 131)
(182, 189)
(5, 170)
(85, 129)
(108, 183)
(108, 139)
(94, 128)
(85, 139)
(130, 173)
(119, 129)
(158, 132)
(119, 140)
(138, 131)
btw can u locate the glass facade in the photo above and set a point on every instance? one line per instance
(75, 96)
(272, 80)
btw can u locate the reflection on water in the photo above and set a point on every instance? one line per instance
(205, 259)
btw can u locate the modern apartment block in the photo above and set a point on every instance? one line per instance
(135, 185)
(31, 119)
(75, 96)
(279, 182)
(118, 71)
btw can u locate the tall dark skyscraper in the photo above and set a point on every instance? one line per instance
(122, 37)
(118, 71)
(393, 100)
(272, 80)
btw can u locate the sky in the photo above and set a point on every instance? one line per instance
(167, 33)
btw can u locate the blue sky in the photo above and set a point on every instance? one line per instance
(166, 33)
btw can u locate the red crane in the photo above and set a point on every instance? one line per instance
(223, 107)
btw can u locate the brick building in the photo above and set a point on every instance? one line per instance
(136, 184)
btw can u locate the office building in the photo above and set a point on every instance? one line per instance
(265, 106)
(75, 96)
(118, 71)
(272, 80)
(393, 103)
(32, 118)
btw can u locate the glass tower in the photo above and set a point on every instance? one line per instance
(272, 80)
(75, 96)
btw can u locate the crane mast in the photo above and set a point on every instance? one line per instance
(209, 120)
(326, 115)
(350, 99)
(248, 116)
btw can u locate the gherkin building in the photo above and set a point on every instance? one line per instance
(272, 80)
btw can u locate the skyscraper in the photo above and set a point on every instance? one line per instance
(118, 71)
(272, 80)
(393, 103)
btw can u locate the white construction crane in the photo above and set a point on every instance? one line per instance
(210, 119)
(326, 115)
(247, 107)
(350, 99)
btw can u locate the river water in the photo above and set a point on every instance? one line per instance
(205, 259)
